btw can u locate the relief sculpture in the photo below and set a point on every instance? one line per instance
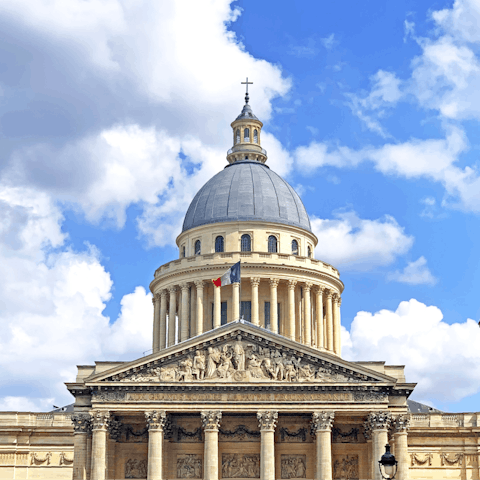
(346, 467)
(294, 466)
(189, 466)
(239, 361)
(237, 465)
(135, 468)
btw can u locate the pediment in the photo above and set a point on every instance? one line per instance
(239, 352)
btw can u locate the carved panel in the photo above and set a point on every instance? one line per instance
(293, 466)
(237, 465)
(241, 432)
(416, 459)
(189, 466)
(136, 468)
(7, 459)
(451, 459)
(299, 436)
(346, 435)
(345, 467)
(38, 459)
(65, 460)
(134, 434)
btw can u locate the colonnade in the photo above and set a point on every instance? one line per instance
(311, 314)
(376, 429)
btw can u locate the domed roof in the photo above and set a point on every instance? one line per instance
(246, 191)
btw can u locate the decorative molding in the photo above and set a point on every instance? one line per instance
(293, 466)
(211, 419)
(267, 420)
(322, 421)
(240, 433)
(82, 423)
(129, 432)
(115, 428)
(64, 460)
(338, 435)
(456, 460)
(181, 434)
(103, 396)
(416, 460)
(369, 396)
(189, 466)
(35, 459)
(345, 466)
(239, 465)
(300, 434)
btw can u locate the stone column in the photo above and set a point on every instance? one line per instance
(217, 307)
(322, 426)
(319, 317)
(115, 431)
(171, 315)
(308, 313)
(329, 321)
(255, 282)
(291, 308)
(199, 284)
(211, 422)
(185, 309)
(156, 322)
(367, 433)
(378, 423)
(82, 427)
(163, 319)
(273, 305)
(100, 420)
(401, 424)
(267, 422)
(337, 341)
(155, 423)
(235, 301)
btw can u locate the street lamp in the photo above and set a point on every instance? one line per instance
(387, 464)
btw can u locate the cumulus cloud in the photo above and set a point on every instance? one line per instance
(354, 243)
(415, 273)
(442, 358)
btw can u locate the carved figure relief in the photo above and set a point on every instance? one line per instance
(189, 466)
(346, 467)
(239, 361)
(136, 468)
(417, 460)
(36, 459)
(293, 466)
(237, 465)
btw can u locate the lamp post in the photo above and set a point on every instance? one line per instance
(387, 464)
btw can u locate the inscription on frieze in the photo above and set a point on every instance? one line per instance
(238, 465)
(294, 466)
(189, 466)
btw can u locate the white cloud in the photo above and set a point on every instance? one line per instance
(329, 42)
(353, 243)
(443, 358)
(415, 273)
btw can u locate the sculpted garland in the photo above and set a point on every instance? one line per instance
(238, 361)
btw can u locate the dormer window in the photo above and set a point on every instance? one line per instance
(255, 136)
(246, 135)
(237, 136)
(219, 244)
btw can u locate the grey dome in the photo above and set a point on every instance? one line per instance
(246, 191)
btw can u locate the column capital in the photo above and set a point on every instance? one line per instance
(307, 285)
(329, 293)
(274, 282)
(163, 293)
(255, 281)
(379, 420)
(172, 289)
(100, 419)
(319, 289)
(156, 419)
(184, 286)
(199, 284)
(82, 423)
(157, 297)
(291, 284)
(367, 431)
(401, 423)
(115, 428)
(336, 298)
(211, 419)
(267, 419)
(322, 421)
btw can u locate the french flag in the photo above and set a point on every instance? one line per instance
(232, 275)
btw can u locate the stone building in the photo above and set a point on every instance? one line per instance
(244, 381)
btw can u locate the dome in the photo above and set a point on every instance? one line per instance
(246, 191)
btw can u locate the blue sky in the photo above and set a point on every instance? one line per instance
(113, 114)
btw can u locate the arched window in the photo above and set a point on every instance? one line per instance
(246, 135)
(237, 136)
(309, 250)
(198, 247)
(255, 136)
(294, 247)
(246, 243)
(272, 244)
(219, 244)
(183, 251)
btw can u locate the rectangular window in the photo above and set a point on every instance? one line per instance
(267, 315)
(223, 313)
(246, 311)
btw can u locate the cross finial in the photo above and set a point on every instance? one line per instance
(247, 83)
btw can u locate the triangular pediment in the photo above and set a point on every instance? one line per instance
(239, 352)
